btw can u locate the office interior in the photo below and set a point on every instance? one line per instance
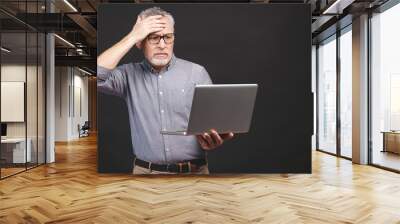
(48, 108)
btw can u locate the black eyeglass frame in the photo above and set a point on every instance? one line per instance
(161, 37)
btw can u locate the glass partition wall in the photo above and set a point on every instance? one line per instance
(22, 77)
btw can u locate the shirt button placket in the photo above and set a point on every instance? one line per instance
(161, 106)
(162, 113)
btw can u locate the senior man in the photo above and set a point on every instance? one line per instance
(158, 92)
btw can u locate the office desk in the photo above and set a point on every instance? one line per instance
(13, 150)
(391, 141)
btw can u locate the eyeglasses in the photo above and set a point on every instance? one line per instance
(155, 39)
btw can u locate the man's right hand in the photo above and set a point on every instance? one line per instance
(146, 26)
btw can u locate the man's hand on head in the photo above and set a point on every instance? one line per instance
(213, 140)
(146, 26)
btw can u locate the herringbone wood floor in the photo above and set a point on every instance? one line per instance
(71, 191)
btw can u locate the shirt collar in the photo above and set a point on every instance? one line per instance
(149, 67)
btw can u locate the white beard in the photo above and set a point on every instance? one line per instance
(159, 62)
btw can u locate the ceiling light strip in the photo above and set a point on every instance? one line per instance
(70, 5)
(86, 72)
(5, 49)
(64, 40)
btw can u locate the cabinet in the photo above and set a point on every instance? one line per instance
(391, 141)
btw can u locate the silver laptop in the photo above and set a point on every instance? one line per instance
(223, 107)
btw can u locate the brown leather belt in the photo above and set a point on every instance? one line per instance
(184, 167)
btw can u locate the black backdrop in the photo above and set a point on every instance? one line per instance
(268, 44)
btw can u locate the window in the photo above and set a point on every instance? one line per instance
(385, 88)
(346, 93)
(327, 95)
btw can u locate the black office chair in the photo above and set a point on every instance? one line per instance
(84, 130)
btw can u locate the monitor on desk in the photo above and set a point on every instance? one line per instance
(3, 130)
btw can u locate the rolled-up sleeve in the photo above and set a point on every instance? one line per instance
(112, 81)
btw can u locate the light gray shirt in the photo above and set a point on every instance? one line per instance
(157, 101)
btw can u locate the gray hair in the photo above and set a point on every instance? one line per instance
(154, 11)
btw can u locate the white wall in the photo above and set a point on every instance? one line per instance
(14, 72)
(61, 103)
(71, 92)
(80, 102)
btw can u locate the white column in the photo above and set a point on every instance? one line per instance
(50, 93)
(360, 90)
